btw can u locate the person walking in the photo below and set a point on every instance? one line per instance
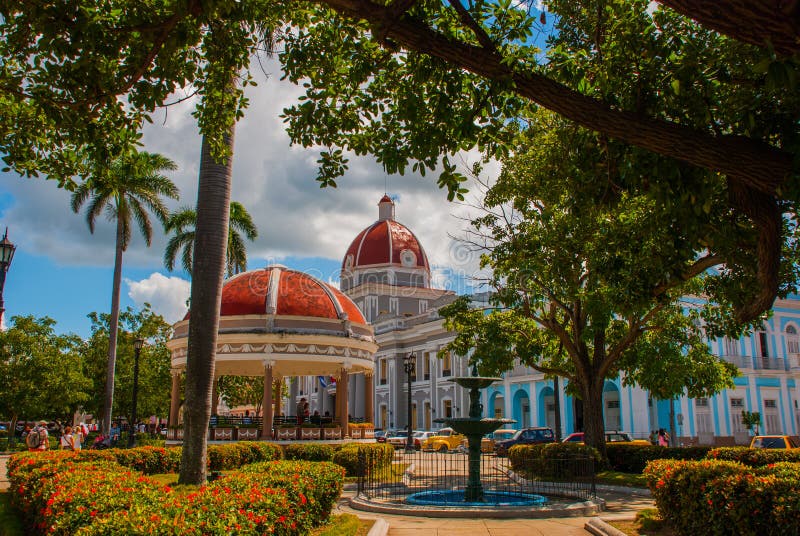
(38, 438)
(78, 438)
(67, 442)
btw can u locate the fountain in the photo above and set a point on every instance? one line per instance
(475, 427)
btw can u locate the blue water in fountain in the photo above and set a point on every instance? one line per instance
(490, 498)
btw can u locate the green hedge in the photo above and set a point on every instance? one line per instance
(632, 458)
(65, 493)
(380, 455)
(235, 455)
(754, 457)
(726, 497)
(311, 452)
(554, 460)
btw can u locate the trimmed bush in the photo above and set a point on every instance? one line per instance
(726, 497)
(554, 460)
(632, 458)
(310, 452)
(65, 493)
(379, 454)
(754, 457)
(234, 455)
(149, 460)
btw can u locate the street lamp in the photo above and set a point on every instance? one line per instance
(7, 250)
(137, 348)
(408, 366)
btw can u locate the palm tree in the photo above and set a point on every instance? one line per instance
(127, 190)
(183, 223)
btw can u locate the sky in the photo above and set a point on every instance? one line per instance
(62, 271)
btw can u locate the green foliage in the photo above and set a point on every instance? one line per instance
(311, 452)
(35, 363)
(634, 458)
(714, 496)
(154, 362)
(242, 391)
(351, 455)
(235, 455)
(555, 460)
(70, 493)
(182, 222)
(751, 419)
(754, 457)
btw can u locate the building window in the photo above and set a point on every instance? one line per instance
(423, 306)
(737, 402)
(426, 366)
(447, 365)
(383, 372)
(612, 404)
(762, 344)
(701, 402)
(448, 408)
(731, 346)
(792, 340)
(769, 403)
(394, 305)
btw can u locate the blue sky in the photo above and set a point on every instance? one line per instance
(62, 271)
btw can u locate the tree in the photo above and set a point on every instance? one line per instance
(154, 362)
(242, 391)
(467, 77)
(42, 373)
(127, 190)
(182, 224)
(590, 281)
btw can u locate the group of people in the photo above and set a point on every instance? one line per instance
(659, 437)
(38, 437)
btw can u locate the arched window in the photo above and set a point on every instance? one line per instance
(792, 340)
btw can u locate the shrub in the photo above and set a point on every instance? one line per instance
(309, 452)
(376, 454)
(66, 493)
(234, 455)
(754, 457)
(149, 460)
(554, 460)
(724, 497)
(632, 458)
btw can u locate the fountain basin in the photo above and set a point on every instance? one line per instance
(490, 498)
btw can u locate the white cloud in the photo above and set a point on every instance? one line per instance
(274, 181)
(166, 295)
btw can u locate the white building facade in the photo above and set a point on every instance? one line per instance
(385, 272)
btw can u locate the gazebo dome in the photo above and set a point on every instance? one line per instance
(277, 290)
(384, 250)
(299, 324)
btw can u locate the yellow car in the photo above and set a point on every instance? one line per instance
(488, 442)
(773, 442)
(445, 440)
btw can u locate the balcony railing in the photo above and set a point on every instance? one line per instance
(759, 363)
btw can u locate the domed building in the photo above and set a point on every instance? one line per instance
(281, 323)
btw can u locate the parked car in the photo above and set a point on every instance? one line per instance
(380, 436)
(398, 439)
(773, 442)
(612, 436)
(443, 440)
(526, 436)
(488, 443)
(420, 437)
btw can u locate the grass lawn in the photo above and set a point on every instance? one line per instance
(647, 523)
(633, 480)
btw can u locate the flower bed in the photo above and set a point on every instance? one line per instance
(725, 497)
(67, 493)
(754, 457)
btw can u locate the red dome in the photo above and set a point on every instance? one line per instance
(385, 242)
(281, 291)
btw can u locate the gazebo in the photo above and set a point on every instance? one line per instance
(277, 323)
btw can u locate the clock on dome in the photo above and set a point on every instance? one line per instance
(408, 258)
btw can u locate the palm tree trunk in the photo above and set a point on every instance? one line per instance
(113, 328)
(208, 269)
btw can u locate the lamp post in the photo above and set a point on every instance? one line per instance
(7, 250)
(137, 348)
(408, 366)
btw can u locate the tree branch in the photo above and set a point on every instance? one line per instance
(477, 29)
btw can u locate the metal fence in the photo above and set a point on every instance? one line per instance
(409, 473)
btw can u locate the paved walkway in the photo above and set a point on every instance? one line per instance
(619, 505)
